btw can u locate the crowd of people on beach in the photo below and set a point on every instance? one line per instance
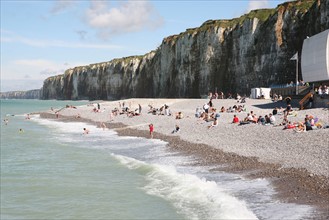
(322, 90)
(210, 114)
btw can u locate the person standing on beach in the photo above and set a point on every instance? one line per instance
(151, 127)
(139, 109)
(210, 103)
(288, 100)
(287, 110)
(103, 125)
(206, 107)
(310, 101)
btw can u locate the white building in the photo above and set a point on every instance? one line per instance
(257, 93)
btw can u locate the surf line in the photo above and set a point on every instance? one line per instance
(130, 126)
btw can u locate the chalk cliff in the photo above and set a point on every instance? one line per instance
(30, 94)
(234, 55)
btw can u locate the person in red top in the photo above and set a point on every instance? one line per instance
(151, 130)
(235, 119)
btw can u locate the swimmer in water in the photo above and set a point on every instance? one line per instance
(85, 131)
(6, 121)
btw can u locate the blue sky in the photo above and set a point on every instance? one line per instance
(40, 39)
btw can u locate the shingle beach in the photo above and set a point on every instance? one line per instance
(296, 162)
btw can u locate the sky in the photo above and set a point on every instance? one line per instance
(40, 39)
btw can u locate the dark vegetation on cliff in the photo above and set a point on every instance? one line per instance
(233, 56)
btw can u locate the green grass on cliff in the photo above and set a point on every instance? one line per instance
(262, 14)
(301, 5)
(127, 59)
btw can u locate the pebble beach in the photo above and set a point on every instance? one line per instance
(295, 162)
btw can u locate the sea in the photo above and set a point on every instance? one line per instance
(51, 170)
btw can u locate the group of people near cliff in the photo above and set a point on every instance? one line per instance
(123, 109)
(221, 95)
(163, 110)
(209, 113)
(322, 90)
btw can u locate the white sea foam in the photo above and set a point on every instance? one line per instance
(194, 197)
(67, 127)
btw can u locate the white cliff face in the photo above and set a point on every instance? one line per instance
(75, 82)
(230, 56)
(30, 94)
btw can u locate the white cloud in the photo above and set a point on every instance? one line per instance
(44, 67)
(35, 69)
(254, 4)
(26, 74)
(10, 37)
(129, 16)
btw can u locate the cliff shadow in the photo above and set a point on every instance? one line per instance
(294, 103)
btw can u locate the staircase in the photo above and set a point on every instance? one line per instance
(305, 99)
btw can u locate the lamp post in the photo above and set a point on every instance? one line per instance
(295, 57)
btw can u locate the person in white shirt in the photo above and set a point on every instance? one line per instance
(272, 118)
(206, 107)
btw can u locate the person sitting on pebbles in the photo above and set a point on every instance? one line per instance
(177, 129)
(289, 125)
(203, 116)
(179, 115)
(300, 127)
(235, 119)
(284, 121)
(213, 124)
(223, 109)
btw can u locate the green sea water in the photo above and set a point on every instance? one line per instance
(45, 174)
